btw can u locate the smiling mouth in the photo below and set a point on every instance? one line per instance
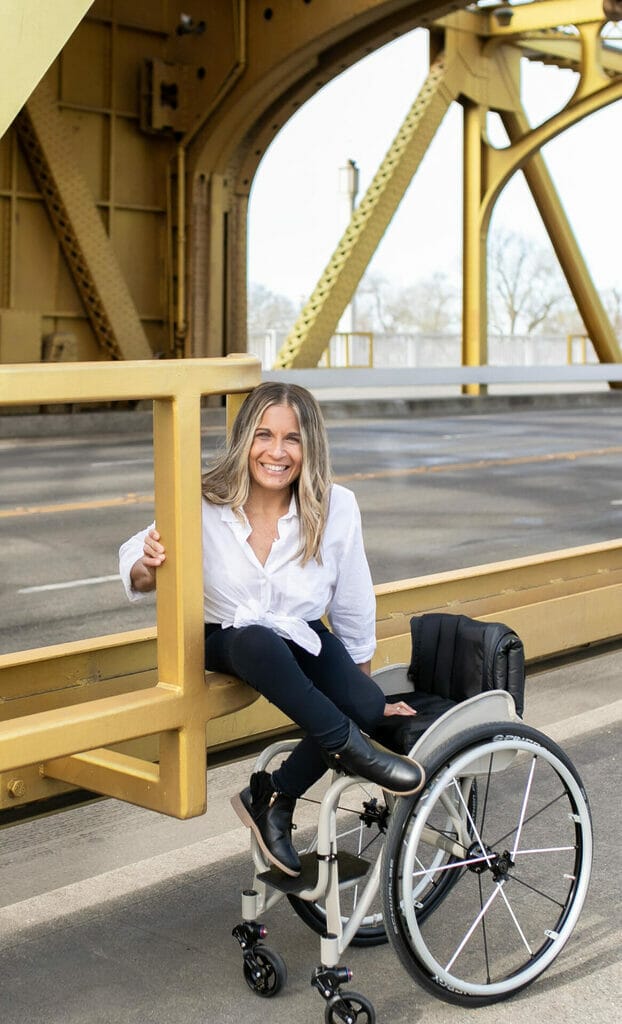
(273, 469)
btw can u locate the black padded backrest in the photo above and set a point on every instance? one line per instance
(456, 657)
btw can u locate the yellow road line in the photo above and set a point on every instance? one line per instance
(380, 474)
(76, 506)
(453, 467)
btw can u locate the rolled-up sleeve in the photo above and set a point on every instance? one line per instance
(130, 552)
(352, 610)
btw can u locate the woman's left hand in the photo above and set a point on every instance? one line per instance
(400, 707)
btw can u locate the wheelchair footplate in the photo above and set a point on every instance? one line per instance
(351, 869)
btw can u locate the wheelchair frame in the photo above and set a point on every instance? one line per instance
(326, 872)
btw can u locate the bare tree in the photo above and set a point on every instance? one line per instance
(526, 286)
(429, 306)
(371, 296)
(613, 304)
(268, 310)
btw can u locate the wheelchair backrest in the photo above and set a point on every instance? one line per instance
(456, 657)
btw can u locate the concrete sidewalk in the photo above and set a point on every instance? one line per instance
(149, 942)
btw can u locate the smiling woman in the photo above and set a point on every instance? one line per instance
(282, 548)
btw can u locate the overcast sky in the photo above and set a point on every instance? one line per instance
(297, 217)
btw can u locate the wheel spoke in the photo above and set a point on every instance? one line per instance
(523, 809)
(516, 924)
(538, 892)
(484, 936)
(480, 842)
(486, 792)
(480, 916)
(541, 810)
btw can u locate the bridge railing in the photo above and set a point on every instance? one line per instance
(73, 741)
(68, 711)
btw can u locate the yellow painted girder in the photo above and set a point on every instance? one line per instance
(566, 51)
(586, 295)
(317, 321)
(502, 163)
(557, 601)
(79, 228)
(535, 16)
(32, 34)
(179, 705)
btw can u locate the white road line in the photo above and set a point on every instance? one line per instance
(71, 583)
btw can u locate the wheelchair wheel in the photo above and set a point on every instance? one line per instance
(517, 856)
(362, 820)
(265, 973)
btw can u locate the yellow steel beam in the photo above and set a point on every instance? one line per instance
(474, 244)
(499, 22)
(27, 384)
(80, 231)
(32, 34)
(317, 321)
(566, 51)
(270, 70)
(180, 704)
(558, 602)
(487, 170)
(586, 295)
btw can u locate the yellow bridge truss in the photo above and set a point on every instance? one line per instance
(124, 180)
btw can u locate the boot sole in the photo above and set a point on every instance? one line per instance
(247, 819)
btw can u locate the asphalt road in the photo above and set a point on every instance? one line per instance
(110, 914)
(436, 493)
(145, 936)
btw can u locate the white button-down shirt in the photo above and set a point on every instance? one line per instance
(282, 594)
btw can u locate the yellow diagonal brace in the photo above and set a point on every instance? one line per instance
(568, 253)
(32, 33)
(318, 320)
(48, 147)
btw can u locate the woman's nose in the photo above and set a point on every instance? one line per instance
(277, 447)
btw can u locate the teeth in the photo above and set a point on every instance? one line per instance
(274, 469)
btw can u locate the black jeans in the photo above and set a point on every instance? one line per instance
(321, 693)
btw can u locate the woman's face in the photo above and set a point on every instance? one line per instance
(275, 458)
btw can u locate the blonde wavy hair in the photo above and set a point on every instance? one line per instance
(228, 481)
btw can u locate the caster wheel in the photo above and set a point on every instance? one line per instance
(349, 1008)
(265, 972)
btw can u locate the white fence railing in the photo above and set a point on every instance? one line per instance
(420, 350)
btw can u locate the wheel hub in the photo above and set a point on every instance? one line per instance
(499, 864)
(375, 814)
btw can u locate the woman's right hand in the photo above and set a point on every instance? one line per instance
(143, 572)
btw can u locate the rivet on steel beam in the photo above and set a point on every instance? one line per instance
(16, 787)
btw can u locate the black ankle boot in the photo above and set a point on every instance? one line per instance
(269, 814)
(362, 756)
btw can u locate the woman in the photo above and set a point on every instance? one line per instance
(282, 546)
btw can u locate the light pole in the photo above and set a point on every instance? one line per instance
(348, 190)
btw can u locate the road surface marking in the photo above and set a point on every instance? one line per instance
(69, 584)
(380, 474)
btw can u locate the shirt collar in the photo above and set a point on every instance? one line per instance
(229, 516)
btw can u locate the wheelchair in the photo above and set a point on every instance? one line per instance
(477, 881)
